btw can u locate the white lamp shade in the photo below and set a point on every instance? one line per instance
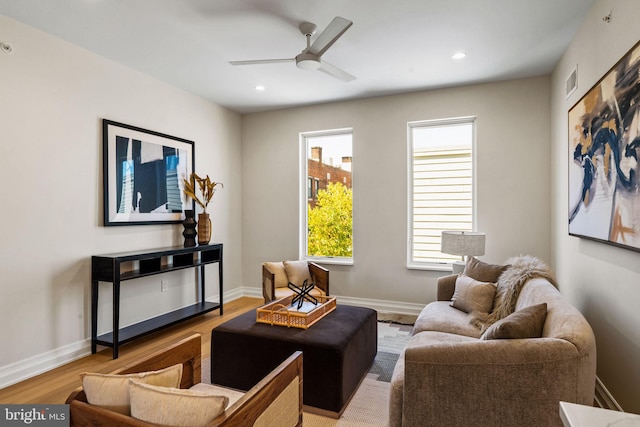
(464, 243)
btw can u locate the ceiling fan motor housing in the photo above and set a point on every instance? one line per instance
(308, 61)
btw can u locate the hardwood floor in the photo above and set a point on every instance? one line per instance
(54, 386)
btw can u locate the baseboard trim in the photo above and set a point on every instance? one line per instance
(383, 306)
(604, 398)
(39, 364)
(36, 365)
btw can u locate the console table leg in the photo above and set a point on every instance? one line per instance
(94, 316)
(202, 284)
(220, 282)
(116, 317)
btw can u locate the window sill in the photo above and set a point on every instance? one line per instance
(332, 261)
(430, 267)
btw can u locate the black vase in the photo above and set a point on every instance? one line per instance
(189, 232)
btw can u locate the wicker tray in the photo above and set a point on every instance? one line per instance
(281, 313)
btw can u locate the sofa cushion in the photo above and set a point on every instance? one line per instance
(525, 323)
(471, 295)
(482, 271)
(297, 272)
(439, 316)
(174, 406)
(111, 391)
(279, 273)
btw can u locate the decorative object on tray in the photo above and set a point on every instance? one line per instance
(282, 312)
(189, 232)
(207, 190)
(302, 294)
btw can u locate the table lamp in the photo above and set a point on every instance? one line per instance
(463, 243)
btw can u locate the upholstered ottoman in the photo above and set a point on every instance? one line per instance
(337, 353)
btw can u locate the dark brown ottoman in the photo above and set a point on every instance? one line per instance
(337, 353)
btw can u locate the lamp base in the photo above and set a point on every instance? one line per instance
(458, 267)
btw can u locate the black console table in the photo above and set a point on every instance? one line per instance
(116, 268)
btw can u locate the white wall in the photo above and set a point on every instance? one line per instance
(512, 181)
(601, 280)
(53, 97)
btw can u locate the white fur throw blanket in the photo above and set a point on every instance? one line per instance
(509, 285)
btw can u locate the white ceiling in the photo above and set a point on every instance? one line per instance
(392, 47)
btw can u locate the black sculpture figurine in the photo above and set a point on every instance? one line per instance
(302, 294)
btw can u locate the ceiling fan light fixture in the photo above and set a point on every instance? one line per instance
(308, 61)
(310, 57)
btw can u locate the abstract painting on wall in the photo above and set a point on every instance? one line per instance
(604, 144)
(143, 175)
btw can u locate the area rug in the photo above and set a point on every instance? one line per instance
(369, 407)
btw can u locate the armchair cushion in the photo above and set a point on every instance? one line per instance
(111, 391)
(279, 273)
(482, 271)
(473, 296)
(174, 406)
(525, 323)
(297, 272)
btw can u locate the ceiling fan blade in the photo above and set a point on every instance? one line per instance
(336, 72)
(328, 37)
(261, 61)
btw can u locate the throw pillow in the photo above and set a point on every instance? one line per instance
(279, 273)
(471, 295)
(111, 391)
(482, 271)
(525, 323)
(297, 272)
(174, 406)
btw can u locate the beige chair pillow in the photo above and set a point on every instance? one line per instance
(482, 271)
(174, 406)
(525, 323)
(471, 295)
(297, 272)
(279, 273)
(111, 391)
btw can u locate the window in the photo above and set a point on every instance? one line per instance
(327, 194)
(440, 187)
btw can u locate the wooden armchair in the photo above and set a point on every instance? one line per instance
(277, 275)
(268, 402)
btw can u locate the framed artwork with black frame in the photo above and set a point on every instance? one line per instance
(143, 174)
(604, 145)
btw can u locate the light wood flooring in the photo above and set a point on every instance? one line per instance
(54, 386)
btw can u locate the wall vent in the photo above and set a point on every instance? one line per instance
(572, 82)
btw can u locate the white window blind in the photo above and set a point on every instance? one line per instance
(441, 186)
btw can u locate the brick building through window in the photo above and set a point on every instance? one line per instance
(320, 174)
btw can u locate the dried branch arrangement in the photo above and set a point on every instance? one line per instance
(206, 186)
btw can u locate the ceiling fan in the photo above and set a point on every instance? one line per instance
(310, 57)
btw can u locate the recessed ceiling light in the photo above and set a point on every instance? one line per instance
(458, 55)
(260, 88)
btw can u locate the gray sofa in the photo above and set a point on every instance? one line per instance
(448, 376)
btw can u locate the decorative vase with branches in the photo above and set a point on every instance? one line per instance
(207, 189)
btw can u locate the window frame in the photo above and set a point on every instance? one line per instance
(303, 215)
(444, 266)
